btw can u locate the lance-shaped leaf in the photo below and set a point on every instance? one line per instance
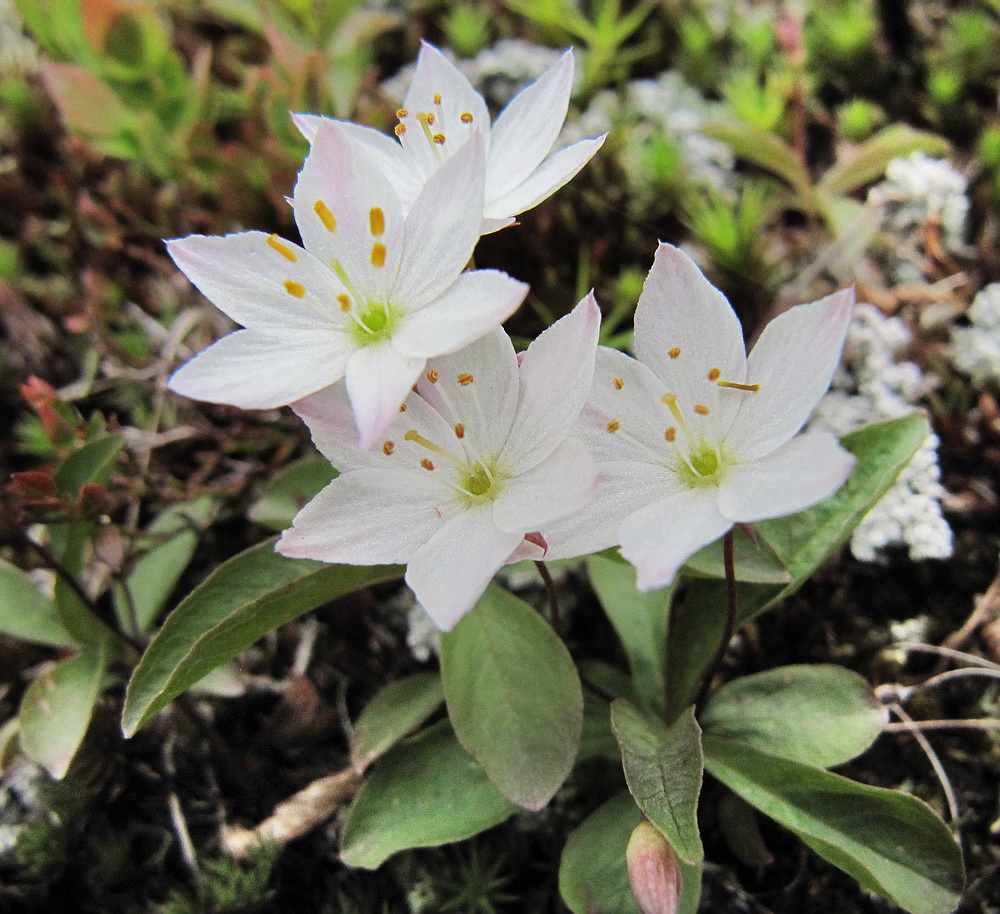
(663, 769)
(240, 602)
(26, 612)
(514, 697)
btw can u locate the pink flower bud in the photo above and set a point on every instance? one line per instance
(653, 872)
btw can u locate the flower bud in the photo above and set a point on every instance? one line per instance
(653, 872)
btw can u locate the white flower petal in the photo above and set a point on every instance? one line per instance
(625, 489)
(338, 197)
(368, 517)
(552, 174)
(793, 361)
(474, 304)
(527, 128)
(451, 570)
(559, 486)
(485, 403)
(261, 281)
(442, 229)
(681, 313)
(796, 476)
(555, 376)
(659, 538)
(378, 381)
(254, 370)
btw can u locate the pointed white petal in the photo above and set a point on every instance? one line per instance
(261, 281)
(378, 381)
(555, 376)
(484, 405)
(473, 305)
(793, 361)
(559, 486)
(681, 312)
(451, 570)
(367, 517)
(442, 228)
(552, 174)
(337, 197)
(796, 476)
(527, 128)
(255, 370)
(489, 226)
(659, 538)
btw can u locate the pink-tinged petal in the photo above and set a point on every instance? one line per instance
(527, 128)
(383, 150)
(625, 489)
(473, 305)
(685, 329)
(378, 380)
(796, 476)
(348, 213)
(368, 517)
(526, 551)
(451, 570)
(440, 89)
(475, 388)
(793, 362)
(559, 486)
(442, 229)
(659, 538)
(255, 370)
(261, 281)
(552, 174)
(555, 374)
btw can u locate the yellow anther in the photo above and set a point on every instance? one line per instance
(713, 375)
(378, 254)
(466, 117)
(670, 434)
(437, 99)
(670, 400)
(401, 113)
(283, 249)
(388, 447)
(399, 129)
(619, 383)
(465, 379)
(325, 216)
(735, 386)
(345, 302)
(432, 376)
(402, 407)
(439, 139)
(701, 409)
(426, 464)
(376, 220)
(295, 288)
(674, 352)
(614, 425)
(459, 430)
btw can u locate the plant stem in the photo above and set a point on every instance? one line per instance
(727, 631)
(550, 588)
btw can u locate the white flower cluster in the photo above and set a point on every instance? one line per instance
(872, 386)
(977, 347)
(918, 189)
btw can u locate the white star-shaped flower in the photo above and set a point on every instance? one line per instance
(694, 436)
(371, 296)
(476, 459)
(442, 111)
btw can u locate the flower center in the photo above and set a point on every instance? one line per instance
(478, 482)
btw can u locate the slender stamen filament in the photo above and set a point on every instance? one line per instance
(670, 401)
(753, 388)
(415, 436)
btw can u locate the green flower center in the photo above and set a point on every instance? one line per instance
(375, 322)
(478, 482)
(703, 466)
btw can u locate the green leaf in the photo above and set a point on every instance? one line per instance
(56, 709)
(155, 575)
(641, 621)
(514, 697)
(753, 563)
(27, 613)
(240, 602)
(593, 874)
(396, 710)
(663, 769)
(290, 490)
(818, 714)
(92, 463)
(868, 162)
(891, 842)
(427, 791)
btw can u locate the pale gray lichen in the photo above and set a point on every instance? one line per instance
(870, 386)
(976, 348)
